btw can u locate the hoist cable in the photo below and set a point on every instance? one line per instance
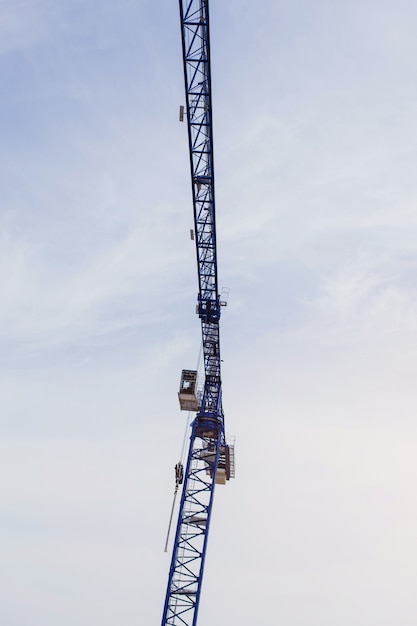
(179, 466)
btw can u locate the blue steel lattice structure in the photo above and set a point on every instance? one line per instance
(210, 459)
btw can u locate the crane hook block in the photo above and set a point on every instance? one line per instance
(187, 394)
(179, 474)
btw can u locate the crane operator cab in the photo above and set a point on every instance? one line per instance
(188, 391)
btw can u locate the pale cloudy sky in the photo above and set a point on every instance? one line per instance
(315, 152)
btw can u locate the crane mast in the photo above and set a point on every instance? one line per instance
(210, 459)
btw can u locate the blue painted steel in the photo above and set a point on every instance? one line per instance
(208, 448)
(187, 564)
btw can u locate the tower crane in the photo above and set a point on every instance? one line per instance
(210, 459)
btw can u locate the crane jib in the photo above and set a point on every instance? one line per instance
(210, 459)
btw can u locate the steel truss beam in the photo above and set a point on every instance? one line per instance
(187, 564)
(197, 78)
(207, 442)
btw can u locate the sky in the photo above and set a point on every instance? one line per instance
(315, 124)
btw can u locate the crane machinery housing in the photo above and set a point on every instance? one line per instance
(210, 459)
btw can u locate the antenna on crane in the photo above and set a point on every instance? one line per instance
(210, 458)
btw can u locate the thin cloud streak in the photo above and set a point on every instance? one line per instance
(314, 112)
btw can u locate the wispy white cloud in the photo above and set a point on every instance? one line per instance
(359, 306)
(316, 193)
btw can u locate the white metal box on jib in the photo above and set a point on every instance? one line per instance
(188, 394)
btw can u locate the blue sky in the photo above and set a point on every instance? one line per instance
(315, 153)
